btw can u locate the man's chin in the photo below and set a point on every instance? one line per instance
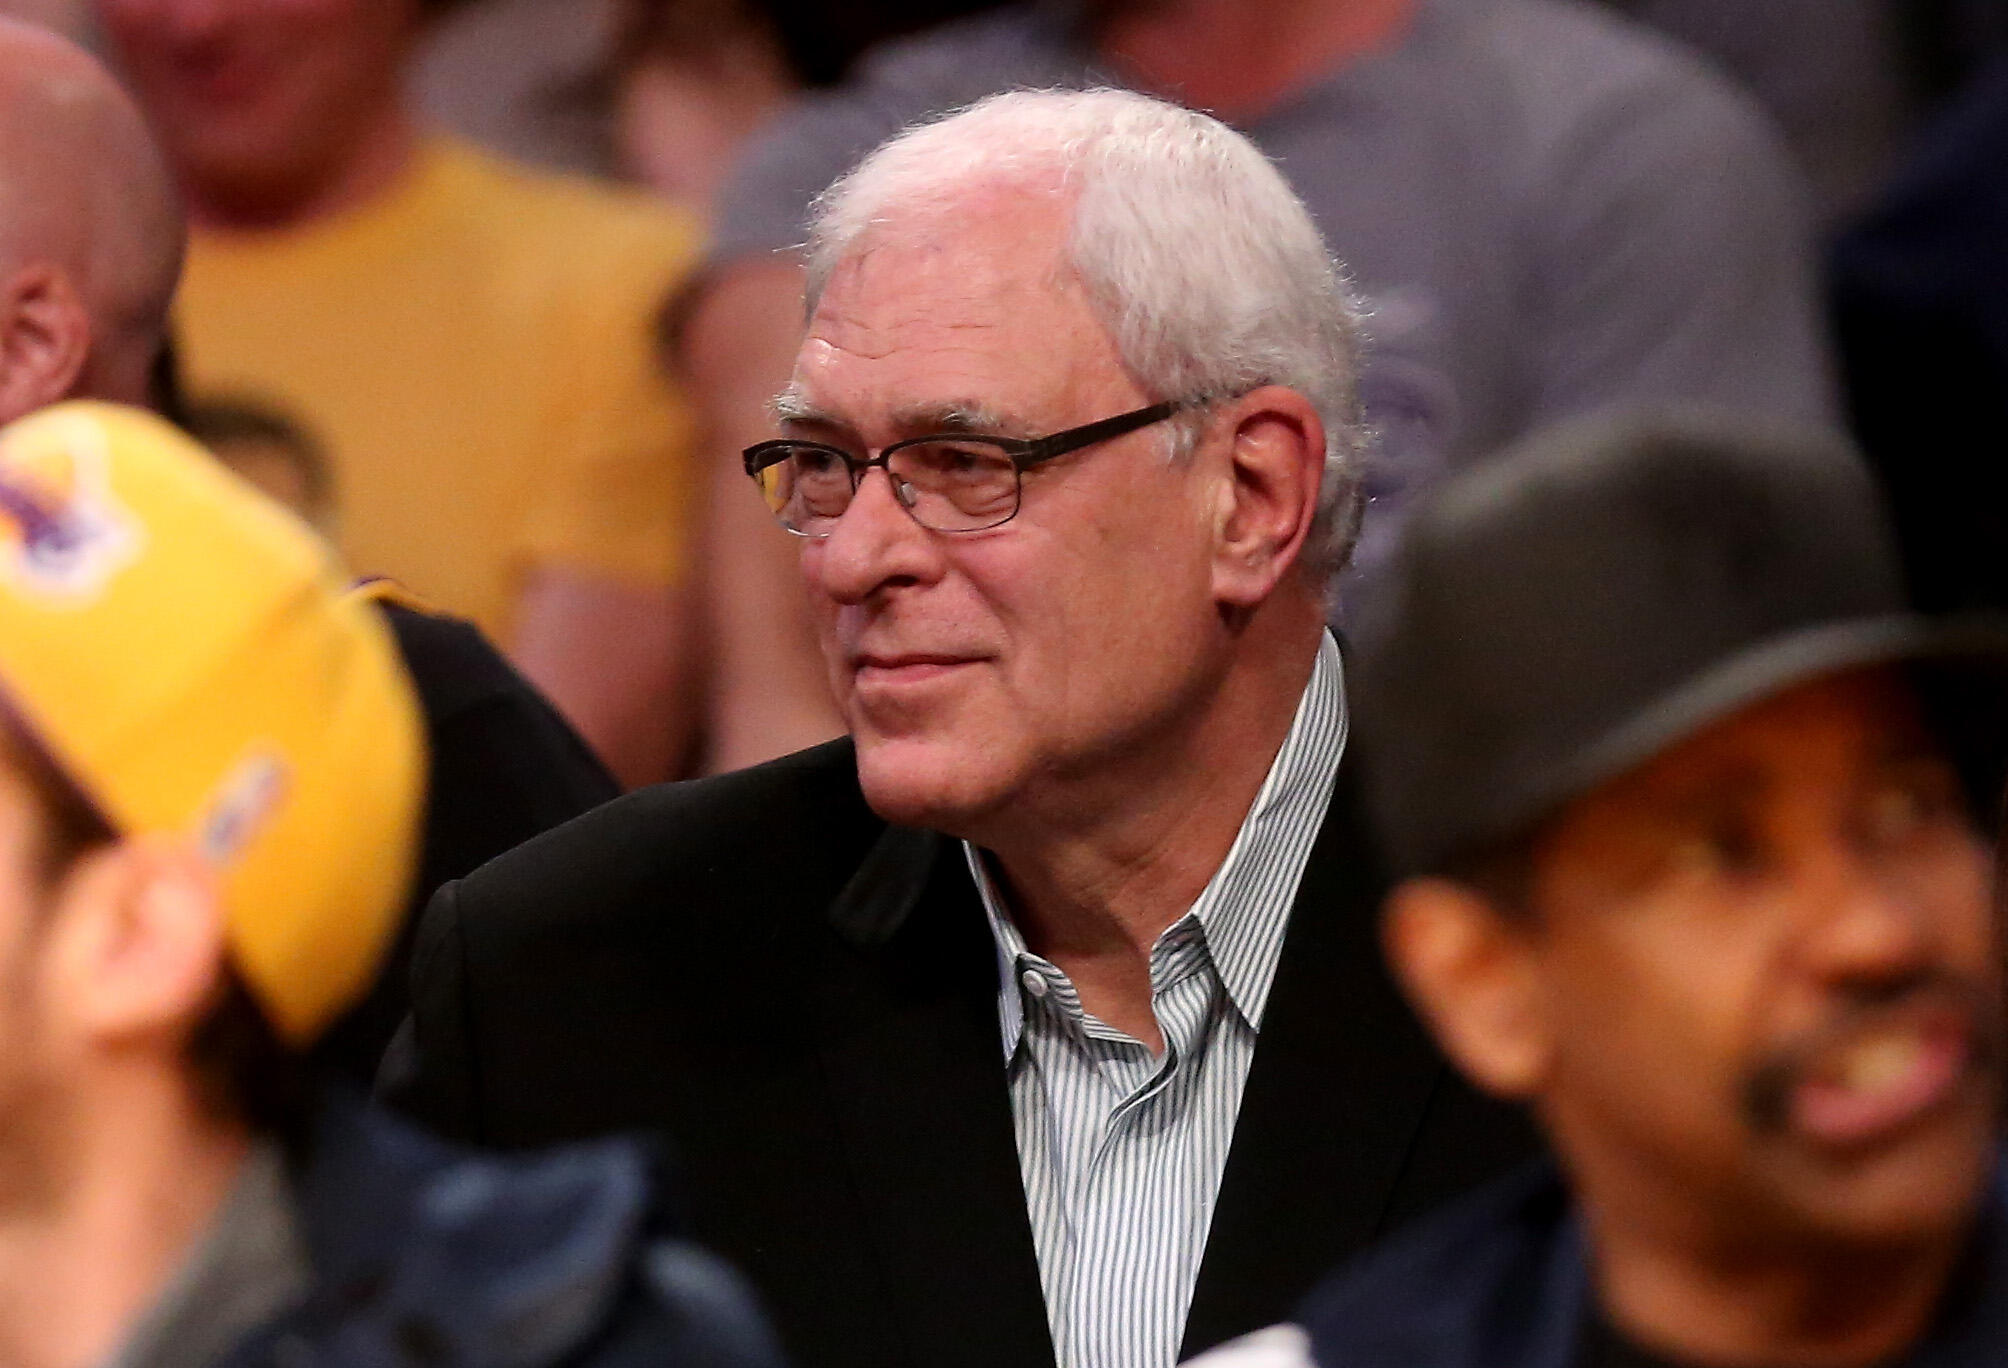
(1914, 1189)
(922, 782)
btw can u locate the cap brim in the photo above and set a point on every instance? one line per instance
(1965, 650)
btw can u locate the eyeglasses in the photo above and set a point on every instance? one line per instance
(947, 482)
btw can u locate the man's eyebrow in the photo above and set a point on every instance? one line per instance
(959, 417)
(1911, 752)
(962, 417)
(791, 406)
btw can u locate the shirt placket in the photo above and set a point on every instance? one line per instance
(1100, 1199)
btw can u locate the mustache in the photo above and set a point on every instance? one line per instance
(1768, 1088)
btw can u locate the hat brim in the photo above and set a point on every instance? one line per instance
(1962, 652)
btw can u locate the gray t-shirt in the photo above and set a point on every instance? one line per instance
(251, 1265)
(1833, 73)
(1548, 210)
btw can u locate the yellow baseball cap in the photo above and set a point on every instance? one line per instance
(185, 651)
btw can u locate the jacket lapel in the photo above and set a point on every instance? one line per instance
(909, 1042)
(1336, 1094)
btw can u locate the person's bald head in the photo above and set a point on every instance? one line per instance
(91, 229)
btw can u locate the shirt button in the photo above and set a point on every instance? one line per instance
(1033, 983)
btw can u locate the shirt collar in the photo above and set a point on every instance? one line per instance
(1245, 907)
(1244, 910)
(1011, 949)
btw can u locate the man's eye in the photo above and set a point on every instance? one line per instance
(942, 461)
(1904, 808)
(812, 461)
(1725, 851)
(1895, 813)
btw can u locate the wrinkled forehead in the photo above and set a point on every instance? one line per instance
(962, 312)
(977, 256)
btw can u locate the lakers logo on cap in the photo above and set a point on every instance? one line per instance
(62, 533)
(243, 804)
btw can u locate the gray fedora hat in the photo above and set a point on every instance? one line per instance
(1576, 606)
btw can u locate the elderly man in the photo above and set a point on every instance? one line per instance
(1549, 211)
(1686, 800)
(1041, 1022)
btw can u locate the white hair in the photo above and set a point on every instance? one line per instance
(1202, 263)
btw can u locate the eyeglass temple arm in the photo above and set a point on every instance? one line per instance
(1060, 443)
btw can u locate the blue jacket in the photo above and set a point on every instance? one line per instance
(1500, 1281)
(426, 1255)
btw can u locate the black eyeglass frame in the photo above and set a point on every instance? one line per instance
(1024, 453)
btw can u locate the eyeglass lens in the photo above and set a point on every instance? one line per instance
(950, 485)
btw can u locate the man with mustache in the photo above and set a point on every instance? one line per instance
(1043, 1022)
(1686, 801)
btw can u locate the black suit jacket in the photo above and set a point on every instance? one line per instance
(803, 1001)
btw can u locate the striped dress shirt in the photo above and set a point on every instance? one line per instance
(1122, 1151)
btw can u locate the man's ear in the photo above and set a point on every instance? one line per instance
(45, 339)
(138, 943)
(1473, 973)
(1269, 493)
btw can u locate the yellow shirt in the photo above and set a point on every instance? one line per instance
(474, 354)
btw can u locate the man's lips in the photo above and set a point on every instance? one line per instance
(1882, 1074)
(909, 667)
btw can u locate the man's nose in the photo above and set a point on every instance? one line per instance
(1865, 925)
(874, 545)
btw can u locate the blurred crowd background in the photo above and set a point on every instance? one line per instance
(465, 286)
(503, 298)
